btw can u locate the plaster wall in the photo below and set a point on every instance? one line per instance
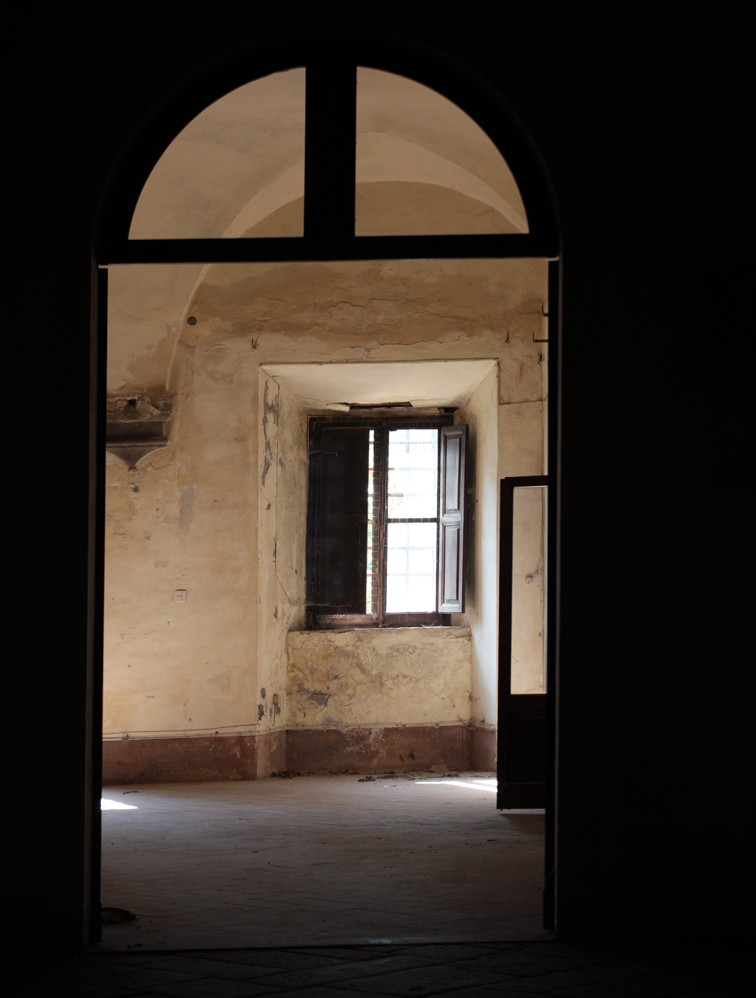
(281, 512)
(181, 522)
(396, 676)
(482, 558)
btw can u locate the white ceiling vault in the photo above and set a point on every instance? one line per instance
(422, 166)
(242, 159)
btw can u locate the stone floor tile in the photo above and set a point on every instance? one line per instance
(332, 992)
(481, 970)
(283, 959)
(502, 990)
(530, 964)
(428, 980)
(722, 991)
(602, 975)
(441, 952)
(53, 989)
(346, 953)
(389, 949)
(135, 978)
(199, 967)
(358, 970)
(213, 988)
(664, 985)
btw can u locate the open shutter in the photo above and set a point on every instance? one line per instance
(451, 525)
(342, 526)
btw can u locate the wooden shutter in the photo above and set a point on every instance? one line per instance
(451, 524)
(341, 520)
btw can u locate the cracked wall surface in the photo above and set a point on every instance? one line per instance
(412, 675)
(220, 511)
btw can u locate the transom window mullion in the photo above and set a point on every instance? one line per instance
(330, 142)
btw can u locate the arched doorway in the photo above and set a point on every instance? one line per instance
(328, 234)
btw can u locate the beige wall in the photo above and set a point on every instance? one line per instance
(182, 522)
(482, 556)
(281, 514)
(394, 676)
(220, 511)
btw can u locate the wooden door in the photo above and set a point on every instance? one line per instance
(522, 764)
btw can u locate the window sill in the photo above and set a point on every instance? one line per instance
(349, 628)
(392, 621)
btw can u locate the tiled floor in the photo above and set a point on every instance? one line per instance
(320, 860)
(467, 970)
(239, 888)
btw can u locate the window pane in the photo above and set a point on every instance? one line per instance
(237, 169)
(411, 568)
(413, 474)
(424, 167)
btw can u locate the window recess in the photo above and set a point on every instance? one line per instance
(385, 536)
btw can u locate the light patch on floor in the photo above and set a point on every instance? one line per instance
(472, 784)
(320, 860)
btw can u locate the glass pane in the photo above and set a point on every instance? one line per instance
(237, 169)
(529, 591)
(413, 474)
(411, 568)
(424, 167)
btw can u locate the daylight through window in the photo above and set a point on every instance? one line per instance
(379, 492)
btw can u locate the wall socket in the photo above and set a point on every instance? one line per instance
(179, 595)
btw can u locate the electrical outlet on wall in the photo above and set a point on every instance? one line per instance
(179, 595)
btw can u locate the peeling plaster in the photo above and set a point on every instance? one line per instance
(413, 675)
(188, 494)
(269, 409)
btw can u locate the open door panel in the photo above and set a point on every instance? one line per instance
(523, 715)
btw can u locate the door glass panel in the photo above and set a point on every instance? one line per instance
(237, 169)
(529, 591)
(424, 167)
(411, 568)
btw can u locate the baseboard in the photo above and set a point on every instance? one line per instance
(369, 750)
(303, 750)
(180, 760)
(271, 753)
(483, 749)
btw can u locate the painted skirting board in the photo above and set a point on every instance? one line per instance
(300, 750)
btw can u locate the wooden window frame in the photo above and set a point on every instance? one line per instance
(382, 424)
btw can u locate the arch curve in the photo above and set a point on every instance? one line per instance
(419, 63)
